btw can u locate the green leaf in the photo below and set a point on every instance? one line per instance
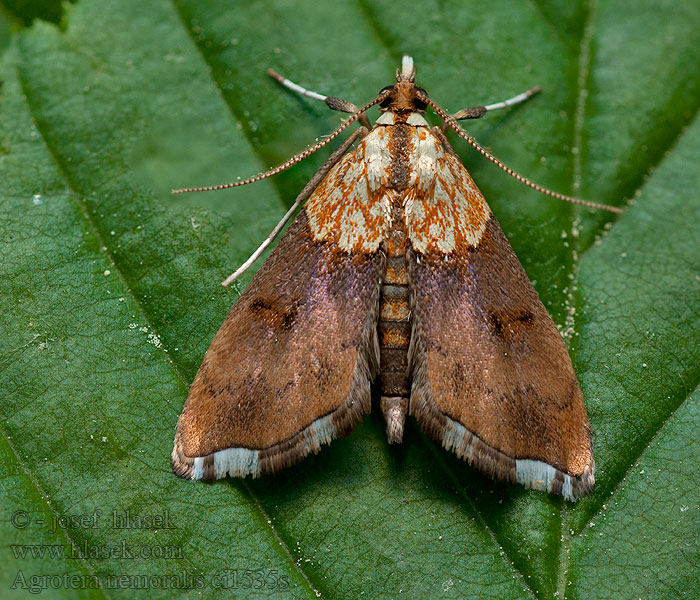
(110, 288)
(28, 10)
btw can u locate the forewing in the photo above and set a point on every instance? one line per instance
(291, 366)
(491, 377)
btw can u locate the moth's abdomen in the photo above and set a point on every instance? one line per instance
(394, 327)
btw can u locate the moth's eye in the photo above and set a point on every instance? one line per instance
(384, 103)
(420, 105)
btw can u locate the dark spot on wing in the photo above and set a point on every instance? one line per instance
(509, 322)
(279, 314)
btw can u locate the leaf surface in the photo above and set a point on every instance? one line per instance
(111, 295)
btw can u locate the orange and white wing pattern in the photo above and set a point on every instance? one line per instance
(351, 207)
(445, 211)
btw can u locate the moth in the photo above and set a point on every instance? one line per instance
(396, 270)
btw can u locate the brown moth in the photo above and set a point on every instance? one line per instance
(397, 270)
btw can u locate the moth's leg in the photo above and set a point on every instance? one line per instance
(476, 112)
(302, 197)
(332, 102)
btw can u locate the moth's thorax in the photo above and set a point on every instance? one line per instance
(391, 118)
(400, 161)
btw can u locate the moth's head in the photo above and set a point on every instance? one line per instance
(404, 96)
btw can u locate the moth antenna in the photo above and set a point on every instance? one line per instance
(303, 195)
(450, 121)
(295, 159)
